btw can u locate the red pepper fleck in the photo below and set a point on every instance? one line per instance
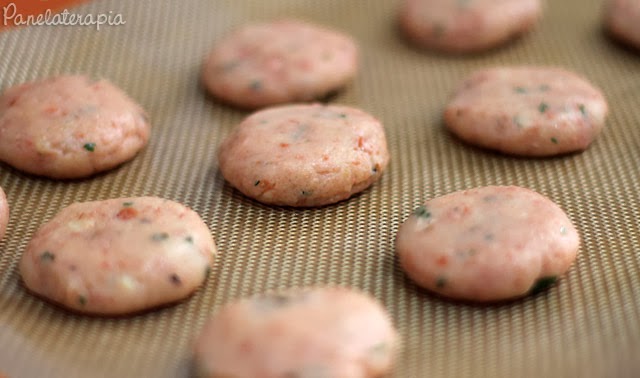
(51, 110)
(442, 260)
(284, 145)
(127, 213)
(304, 65)
(266, 185)
(360, 142)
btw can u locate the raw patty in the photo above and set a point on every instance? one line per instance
(304, 155)
(69, 127)
(527, 111)
(119, 256)
(487, 244)
(278, 62)
(622, 20)
(330, 332)
(461, 26)
(4, 213)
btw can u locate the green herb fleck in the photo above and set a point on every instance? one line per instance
(544, 87)
(90, 147)
(517, 121)
(422, 212)
(274, 301)
(554, 140)
(463, 3)
(306, 193)
(207, 271)
(256, 183)
(280, 300)
(543, 107)
(489, 237)
(255, 85)
(127, 204)
(583, 110)
(226, 67)
(490, 198)
(175, 279)
(160, 236)
(82, 300)
(144, 117)
(542, 284)
(47, 256)
(342, 115)
(441, 282)
(189, 239)
(379, 348)
(520, 89)
(327, 55)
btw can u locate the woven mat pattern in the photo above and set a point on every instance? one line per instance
(587, 326)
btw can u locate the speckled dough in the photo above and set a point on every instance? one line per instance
(462, 26)
(278, 62)
(304, 155)
(69, 127)
(487, 244)
(622, 20)
(527, 111)
(4, 213)
(119, 256)
(330, 332)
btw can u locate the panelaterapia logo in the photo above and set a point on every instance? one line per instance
(11, 16)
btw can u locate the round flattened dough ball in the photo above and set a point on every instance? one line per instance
(622, 20)
(527, 111)
(69, 127)
(462, 26)
(279, 62)
(487, 244)
(4, 213)
(304, 155)
(328, 332)
(119, 256)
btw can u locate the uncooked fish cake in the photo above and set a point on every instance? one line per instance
(327, 332)
(622, 20)
(283, 61)
(462, 26)
(119, 256)
(527, 111)
(304, 155)
(487, 244)
(4, 213)
(69, 127)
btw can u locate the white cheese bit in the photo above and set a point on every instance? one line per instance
(81, 224)
(128, 283)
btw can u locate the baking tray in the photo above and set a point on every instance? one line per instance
(586, 326)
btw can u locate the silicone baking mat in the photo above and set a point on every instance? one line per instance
(586, 326)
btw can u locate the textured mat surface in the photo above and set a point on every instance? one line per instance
(587, 326)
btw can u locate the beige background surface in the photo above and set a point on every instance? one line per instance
(587, 326)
